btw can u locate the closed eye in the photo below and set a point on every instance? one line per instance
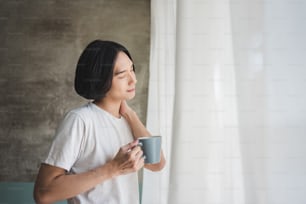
(123, 73)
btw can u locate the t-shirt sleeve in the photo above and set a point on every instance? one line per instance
(67, 143)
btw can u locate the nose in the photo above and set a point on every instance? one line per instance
(132, 78)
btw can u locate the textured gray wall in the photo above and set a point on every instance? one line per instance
(40, 42)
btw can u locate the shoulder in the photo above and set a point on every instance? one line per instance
(81, 112)
(79, 115)
(88, 113)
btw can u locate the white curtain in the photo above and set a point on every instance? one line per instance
(161, 94)
(227, 93)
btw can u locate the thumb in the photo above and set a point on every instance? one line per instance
(129, 146)
(123, 107)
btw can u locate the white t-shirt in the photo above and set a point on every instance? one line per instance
(88, 137)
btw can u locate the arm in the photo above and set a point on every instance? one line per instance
(54, 184)
(139, 130)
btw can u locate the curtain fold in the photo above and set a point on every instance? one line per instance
(206, 162)
(161, 94)
(226, 92)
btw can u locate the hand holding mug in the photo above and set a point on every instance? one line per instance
(129, 158)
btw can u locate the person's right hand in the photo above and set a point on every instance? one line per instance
(129, 159)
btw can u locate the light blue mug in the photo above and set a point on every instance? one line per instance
(151, 147)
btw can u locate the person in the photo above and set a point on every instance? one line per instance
(95, 156)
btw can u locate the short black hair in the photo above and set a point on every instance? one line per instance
(94, 71)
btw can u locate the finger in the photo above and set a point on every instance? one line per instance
(137, 164)
(135, 142)
(123, 102)
(123, 107)
(134, 166)
(139, 154)
(129, 146)
(135, 151)
(140, 163)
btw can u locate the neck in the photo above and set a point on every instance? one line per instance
(113, 107)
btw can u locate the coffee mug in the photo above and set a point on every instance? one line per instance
(151, 147)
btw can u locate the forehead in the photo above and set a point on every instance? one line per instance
(122, 61)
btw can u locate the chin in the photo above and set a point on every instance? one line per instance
(130, 97)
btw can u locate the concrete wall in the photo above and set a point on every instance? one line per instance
(40, 42)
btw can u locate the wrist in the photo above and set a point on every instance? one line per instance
(113, 169)
(129, 115)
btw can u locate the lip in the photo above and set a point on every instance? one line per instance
(131, 90)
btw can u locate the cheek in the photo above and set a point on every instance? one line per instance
(118, 86)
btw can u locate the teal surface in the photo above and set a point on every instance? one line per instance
(18, 193)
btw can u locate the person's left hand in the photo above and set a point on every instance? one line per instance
(124, 108)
